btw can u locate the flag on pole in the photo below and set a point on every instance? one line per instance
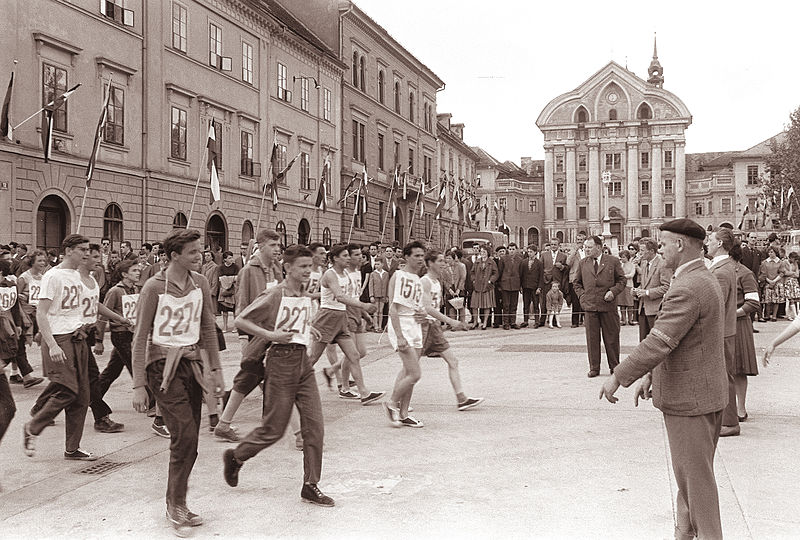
(405, 184)
(485, 215)
(47, 120)
(746, 211)
(441, 202)
(347, 192)
(278, 176)
(213, 152)
(395, 187)
(5, 117)
(98, 135)
(422, 196)
(322, 193)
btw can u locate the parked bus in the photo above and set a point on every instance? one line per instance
(492, 238)
(790, 240)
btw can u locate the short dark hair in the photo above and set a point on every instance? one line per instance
(226, 254)
(533, 247)
(431, 255)
(725, 235)
(125, 243)
(512, 244)
(124, 267)
(148, 246)
(498, 248)
(94, 247)
(772, 237)
(336, 250)
(411, 246)
(295, 252)
(265, 235)
(314, 246)
(649, 244)
(376, 244)
(353, 247)
(177, 240)
(73, 240)
(736, 251)
(596, 239)
(458, 253)
(22, 246)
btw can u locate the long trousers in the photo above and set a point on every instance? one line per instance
(180, 406)
(730, 416)
(577, 312)
(530, 305)
(646, 323)
(99, 407)
(497, 319)
(510, 301)
(21, 359)
(7, 406)
(290, 381)
(605, 323)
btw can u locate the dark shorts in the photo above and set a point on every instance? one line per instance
(332, 325)
(251, 371)
(223, 308)
(355, 324)
(433, 340)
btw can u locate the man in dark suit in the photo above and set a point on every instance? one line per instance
(682, 362)
(497, 315)
(530, 274)
(600, 279)
(509, 281)
(554, 268)
(723, 268)
(654, 282)
(468, 286)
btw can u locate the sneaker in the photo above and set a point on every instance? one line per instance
(348, 395)
(107, 425)
(33, 381)
(393, 414)
(213, 420)
(231, 467)
(28, 441)
(226, 432)
(410, 421)
(80, 455)
(311, 494)
(151, 412)
(469, 403)
(177, 516)
(160, 430)
(372, 397)
(15, 379)
(191, 518)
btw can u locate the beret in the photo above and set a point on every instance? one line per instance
(686, 227)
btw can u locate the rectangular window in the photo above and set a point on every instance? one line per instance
(502, 202)
(645, 187)
(668, 210)
(305, 168)
(615, 188)
(698, 209)
(613, 161)
(220, 147)
(428, 167)
(667, 185)
(532, 206)
(215, 45)
(710, 208)
(396, 153)
(726, 206)
(559, 190)
(645, 210)
(668, 158)
(326, 104)
(247, 62)
(179, 22)
(559, 212)
(581, 162)
(247, 154)
(411, 161)
(559, 163)
(581, 189)
(178, 134)
(283, 92)
(644, 162)
(282, 151)
(581, 212)
(304, 93)
(114, 132)
(115, 10)
(752, 175)
(381, 215)
(381, 163)
(358, 141)
(54, 83)
(752, 204)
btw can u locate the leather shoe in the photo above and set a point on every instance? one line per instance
(729, 431)
(593, 374)
(523, 325)
(743, 418)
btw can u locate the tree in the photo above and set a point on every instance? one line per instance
(783, 168)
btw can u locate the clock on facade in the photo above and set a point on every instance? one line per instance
(612, 97)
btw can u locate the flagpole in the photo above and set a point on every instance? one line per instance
(386, 217)
(355, 209)
(264, 190)
(197, 185)
(28, 118)
(414, 215)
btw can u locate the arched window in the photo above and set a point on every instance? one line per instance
(280, 228)
(303, 233)
(533, 236)
(180, 221)
(397, 97)
(582, 116)
(612, 114)
(247, 231)
(560, 236)
(645, 233)
(112, 224)
(216, 233)
(363, 73)
(326, 237)
(52, 222)
(381, 87)
(644, 112)
(411, 105)
(355, 69)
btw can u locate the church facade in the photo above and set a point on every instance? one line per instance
(614, 146)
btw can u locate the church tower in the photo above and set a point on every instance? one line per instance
(655, 71)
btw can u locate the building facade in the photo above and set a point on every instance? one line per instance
(457, 165)
(628, 130)
(249, 70)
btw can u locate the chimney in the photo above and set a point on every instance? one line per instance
(444, 119)
(527, 164)
(458, 129)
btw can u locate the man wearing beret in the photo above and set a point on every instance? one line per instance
(682, 365)
(599, 280)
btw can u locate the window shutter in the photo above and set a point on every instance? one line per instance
(226, 63)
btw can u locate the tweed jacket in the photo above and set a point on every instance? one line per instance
(531, 275)
(508, 266)
(482, 274)
(591, 288)
(655, 282)
(725, 272)
(684, 350)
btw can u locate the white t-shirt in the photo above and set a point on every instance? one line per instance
(407, 293)
(327, 301)
(436, 293)
(90, 297)
(65, 288)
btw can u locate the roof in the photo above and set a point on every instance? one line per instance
(486, 159)
(296, 26)
(763, 148)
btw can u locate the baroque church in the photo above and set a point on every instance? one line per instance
(615, 149)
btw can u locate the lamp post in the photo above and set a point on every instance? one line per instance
(606, 219)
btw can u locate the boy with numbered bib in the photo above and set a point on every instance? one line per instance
(175, 321)
(281, 319)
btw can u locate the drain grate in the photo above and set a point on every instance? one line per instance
(103, 467)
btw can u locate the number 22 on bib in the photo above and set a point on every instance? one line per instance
(129, 302)
(294, 315)
(177, 320)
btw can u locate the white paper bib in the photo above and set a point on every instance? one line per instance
(177, 320)
(294, 315)
(129, 302)
(408, 290)
(8, 298)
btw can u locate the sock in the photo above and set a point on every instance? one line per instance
(461, 397)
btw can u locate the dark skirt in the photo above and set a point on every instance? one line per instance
(745, 362)
(483, 300)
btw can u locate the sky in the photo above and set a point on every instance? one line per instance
(734, 66)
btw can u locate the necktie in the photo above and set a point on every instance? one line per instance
(595, 266)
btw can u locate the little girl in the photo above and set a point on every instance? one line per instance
(555, 300)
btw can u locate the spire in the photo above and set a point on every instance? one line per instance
(655, 71)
